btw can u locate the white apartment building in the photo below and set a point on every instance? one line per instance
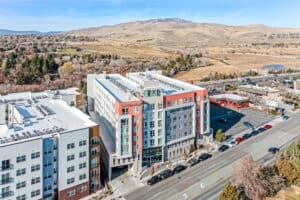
(48, 149)
(146, 117)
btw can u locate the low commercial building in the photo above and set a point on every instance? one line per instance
(230, 100)
(146, 117)
(48, 149)
(297, 85)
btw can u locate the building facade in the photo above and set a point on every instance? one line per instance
(149, 117)
(48, 149)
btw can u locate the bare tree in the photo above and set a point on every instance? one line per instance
(258, 181)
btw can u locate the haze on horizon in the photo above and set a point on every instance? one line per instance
(61, 15)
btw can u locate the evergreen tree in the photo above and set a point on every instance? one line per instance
(230, 192)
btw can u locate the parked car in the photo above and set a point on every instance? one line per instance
(285, 117)
(255, 132)
(179, 168)
(247, 136)
(153, 180)
(204, 156)
(193, 162)
(261, 129)
(223, 148)
(267, 126)
(232, 143)
(166, 174)
(273, 150)
(239, 139)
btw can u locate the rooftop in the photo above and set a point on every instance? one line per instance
(232, 97)
(258, 88)
(118, 86)
(41, 116)
(168, 86)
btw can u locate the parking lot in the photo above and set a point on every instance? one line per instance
(232, 122)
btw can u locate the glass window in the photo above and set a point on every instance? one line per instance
(70, 146)
(136, 109)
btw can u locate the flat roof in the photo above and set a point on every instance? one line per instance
(118, 86)
(232, 97)
(43, 117)
(168, 86)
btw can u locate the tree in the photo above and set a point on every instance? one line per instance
(220, 136)
(230, 192)
(287, 170)
(257, 180)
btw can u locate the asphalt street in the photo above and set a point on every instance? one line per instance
(206, 180)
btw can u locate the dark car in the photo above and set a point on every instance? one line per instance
(223, 148)
(153, 180)
(273, 150)
(179, 168)
(166, 174)
(193, 162)
(247, 136)
(255, 132)
(261, 129)
(285, 117)
(204, 156)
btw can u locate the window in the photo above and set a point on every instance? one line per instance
(82, 165)
(159, 131)
(136, 109)
(21, 197)
(152, 106)
(48, 187)
(21, 171)
(35, 168)
(151, 124)
(135, 119)
(21, 158)
(145, 124)
(35, 180)
(83, 188)
(82, 154)
(191, 99)
(71, 146)
(135, 129)
(82, 176)
(145, 134)
(5, 178)
(5, 164)
(47, 175)
(21, 185)
(48, 151)
(174, 102)
(169, 103)
(159, 140)
(146, 142)
(82, 143)
(159, 123)
(135, 138)
(159, 114)
(145, 107)
(70, 157)
(70, 169)
(35, 193)
(152, 133)
(71, 193)
(159, 105)
(35, 155)
(70, 180)
(125, 111)
(197, 98)
(152, 142)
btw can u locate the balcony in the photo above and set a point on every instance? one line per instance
(6, 194)
(94, 165)
(11, 166)
(6, 181)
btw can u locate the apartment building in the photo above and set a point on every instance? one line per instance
(146, 117)
(48, 149)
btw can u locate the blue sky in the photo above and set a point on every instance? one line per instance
(46, 15)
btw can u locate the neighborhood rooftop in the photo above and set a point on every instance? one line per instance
(167, 85)
(43, 116)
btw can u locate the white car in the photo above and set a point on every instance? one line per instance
(232, 143)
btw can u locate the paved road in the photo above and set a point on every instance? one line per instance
(206, 179)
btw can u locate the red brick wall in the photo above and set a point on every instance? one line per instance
(63, 193)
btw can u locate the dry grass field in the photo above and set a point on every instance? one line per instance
(292, 193)
(227, 48)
